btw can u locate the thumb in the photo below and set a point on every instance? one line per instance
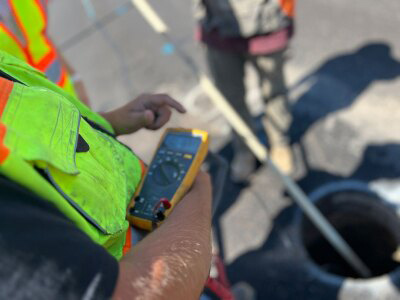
(148, 117)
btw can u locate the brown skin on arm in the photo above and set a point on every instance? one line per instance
(172, 262)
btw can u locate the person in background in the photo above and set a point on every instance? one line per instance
(256, 32)
(23, 33)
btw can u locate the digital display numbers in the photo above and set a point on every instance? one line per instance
(182, 143)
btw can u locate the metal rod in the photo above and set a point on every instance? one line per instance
(258, 149)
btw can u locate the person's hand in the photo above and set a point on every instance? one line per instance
(151, 111)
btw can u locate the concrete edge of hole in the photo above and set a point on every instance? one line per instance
(386, 286)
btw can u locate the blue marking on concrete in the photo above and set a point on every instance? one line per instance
(89, 9)
(168, 49)
(121, 10)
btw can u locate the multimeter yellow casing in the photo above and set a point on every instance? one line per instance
(171, 173)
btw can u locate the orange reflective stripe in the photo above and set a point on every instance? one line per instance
(12, 44)
(143, 167)
(63, 78)
(288, 7)
(46, 60)
(31, 19)
(33, 27)
(128, 241)
(49, 58)
(4, 151)
(6, 87)
(42, 10)
(21, 27)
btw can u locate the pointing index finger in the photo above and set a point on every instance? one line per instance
(166, 99)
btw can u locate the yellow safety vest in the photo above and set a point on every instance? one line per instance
(40, 132)
(26, 39)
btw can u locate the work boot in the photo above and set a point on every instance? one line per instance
(281, 155)
(243, 163)
(280, 151)
(276, 124)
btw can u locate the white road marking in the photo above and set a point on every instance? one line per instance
(150, 15)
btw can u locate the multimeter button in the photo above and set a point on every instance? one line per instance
(148, 207)
(160, 216)
(170, 153)
(188, 156)
(165, 203)
(133, 211)
(178, 154)
(141, 200)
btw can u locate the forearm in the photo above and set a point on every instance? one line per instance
(111, 118)
(172, 262)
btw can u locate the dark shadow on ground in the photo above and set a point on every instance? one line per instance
(337, 83)
(276, 270)
(377, 162)
(231, 192)
(279, 268)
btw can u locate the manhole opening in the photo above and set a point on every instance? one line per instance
(370, 227)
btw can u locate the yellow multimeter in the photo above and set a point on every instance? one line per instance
(171, 173)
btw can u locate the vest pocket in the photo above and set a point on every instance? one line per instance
(44, 129)
(41, 127)
(102, 189)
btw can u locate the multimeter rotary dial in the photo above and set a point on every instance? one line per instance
(166, 173)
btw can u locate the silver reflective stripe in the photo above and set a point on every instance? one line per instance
(53, 72)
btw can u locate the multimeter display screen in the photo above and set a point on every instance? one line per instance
(182, 143)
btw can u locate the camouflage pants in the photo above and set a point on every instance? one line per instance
(228, 71)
